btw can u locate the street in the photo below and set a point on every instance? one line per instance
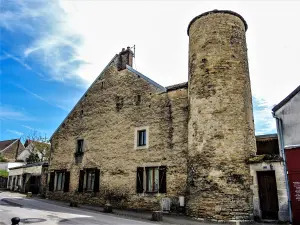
(34, 211)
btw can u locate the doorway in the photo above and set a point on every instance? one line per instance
(267, 189)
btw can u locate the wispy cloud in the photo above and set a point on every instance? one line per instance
(40, 97)
(49, 42)
(20, 61)
(264, 121)
(15, 132)
(28, 127)
(9, 113)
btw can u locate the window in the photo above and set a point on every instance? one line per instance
(151, 179)
(89, 180)
(137, 99)
(142, 138)
(59, 181)
(79, 150)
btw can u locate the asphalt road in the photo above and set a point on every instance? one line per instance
(38, 212)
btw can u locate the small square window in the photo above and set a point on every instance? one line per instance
(79, 146)
(141, 138)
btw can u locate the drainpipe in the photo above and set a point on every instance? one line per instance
(280, 134)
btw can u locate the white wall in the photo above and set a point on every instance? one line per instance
(7, 165)
(290, 116)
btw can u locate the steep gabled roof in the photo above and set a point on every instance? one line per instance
(129, 68)
(147, 79)
(288, 98)
(177, 86)
(100, 75)
(6, 143)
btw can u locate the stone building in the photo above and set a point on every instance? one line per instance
(136, 144)
(270, 198)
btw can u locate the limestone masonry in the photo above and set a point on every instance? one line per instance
(136, 144)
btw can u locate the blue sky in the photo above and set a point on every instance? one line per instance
(51, 51)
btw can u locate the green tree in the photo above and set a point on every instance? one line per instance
(33, 158)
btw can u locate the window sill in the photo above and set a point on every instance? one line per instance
(141, 147)
(150, 194)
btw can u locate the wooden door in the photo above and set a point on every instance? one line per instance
(268, 194)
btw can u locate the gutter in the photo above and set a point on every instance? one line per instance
(280, 134)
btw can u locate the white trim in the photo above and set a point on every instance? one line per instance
(136, 130)
(291, 146)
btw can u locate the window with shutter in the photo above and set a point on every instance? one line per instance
(154, 182)
(139, 180)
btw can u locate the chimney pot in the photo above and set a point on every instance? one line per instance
(125, 58)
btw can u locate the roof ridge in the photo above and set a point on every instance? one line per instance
(10, 144)
(286, 99)
(146, 78)
(97, 78)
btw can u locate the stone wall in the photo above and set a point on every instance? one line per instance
(107, 118)
(220, 130)
(283, 213)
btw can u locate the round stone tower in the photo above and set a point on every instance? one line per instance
(220, 129)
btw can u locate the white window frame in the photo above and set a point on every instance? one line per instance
(136, 132)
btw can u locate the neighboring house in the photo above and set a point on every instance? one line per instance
(28, 178)
(136, 144)
(42, 150)
(287, 114)
(10, 149)
(270, 198)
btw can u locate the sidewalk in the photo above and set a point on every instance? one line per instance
(145, 215)
(130, 214)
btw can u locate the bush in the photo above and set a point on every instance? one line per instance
(3, 173)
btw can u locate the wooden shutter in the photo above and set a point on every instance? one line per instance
(162, 179)
(139, 180)
(67, 181)
(51, 182)
(97, 180)
(81, 180)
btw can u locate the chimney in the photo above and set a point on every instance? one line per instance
(125, 58)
